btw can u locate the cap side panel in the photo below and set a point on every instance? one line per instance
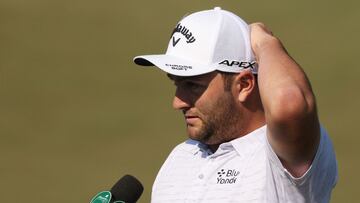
(246, 34)
(216, 35)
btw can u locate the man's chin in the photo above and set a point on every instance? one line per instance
(194, 134)
(199, 135)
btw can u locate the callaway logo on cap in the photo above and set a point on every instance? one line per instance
(203, 42)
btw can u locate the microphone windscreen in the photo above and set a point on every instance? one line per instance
(127, 189)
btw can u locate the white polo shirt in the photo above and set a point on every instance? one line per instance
(243, 170)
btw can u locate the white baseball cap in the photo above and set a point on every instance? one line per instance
(203, 42)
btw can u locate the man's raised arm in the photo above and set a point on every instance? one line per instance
(288, 100)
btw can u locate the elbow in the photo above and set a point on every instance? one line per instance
(292, 104)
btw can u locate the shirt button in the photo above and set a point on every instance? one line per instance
(201, 176)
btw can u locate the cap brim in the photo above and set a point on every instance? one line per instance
(173, 65)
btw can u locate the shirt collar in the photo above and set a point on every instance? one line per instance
(193, 146)
(243, 145)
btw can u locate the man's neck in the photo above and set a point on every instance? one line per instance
(257, 120)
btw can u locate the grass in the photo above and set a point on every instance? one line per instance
(76, 114)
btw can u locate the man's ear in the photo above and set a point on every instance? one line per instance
(244, 85)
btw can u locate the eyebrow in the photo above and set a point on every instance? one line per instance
(182, 78)
(177, 78)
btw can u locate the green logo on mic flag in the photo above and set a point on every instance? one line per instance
(102, 197)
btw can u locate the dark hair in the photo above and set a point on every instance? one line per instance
(229, 78)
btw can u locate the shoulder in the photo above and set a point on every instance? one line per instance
(183, 152)
(252, 142)
(180, 160)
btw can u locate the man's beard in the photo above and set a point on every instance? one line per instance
(221, 121)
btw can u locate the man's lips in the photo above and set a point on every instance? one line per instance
(191, 119)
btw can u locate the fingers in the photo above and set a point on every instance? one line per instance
(261, 27)
(259, 35)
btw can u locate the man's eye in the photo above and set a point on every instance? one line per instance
(194, 87)
(190, 86)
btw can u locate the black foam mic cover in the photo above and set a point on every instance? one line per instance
(127, 189)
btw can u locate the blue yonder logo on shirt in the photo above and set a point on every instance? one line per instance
(227, 176)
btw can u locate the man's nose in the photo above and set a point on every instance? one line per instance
(179, 104)
(180, 101)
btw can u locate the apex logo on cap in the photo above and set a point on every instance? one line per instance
(243, 64)
(184, 31)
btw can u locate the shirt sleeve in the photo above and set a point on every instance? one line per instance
(321, 177)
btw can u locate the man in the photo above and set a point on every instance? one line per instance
(253, 126)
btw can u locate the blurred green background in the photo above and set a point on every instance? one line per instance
(76, 114)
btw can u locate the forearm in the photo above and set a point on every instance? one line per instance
(283, 85)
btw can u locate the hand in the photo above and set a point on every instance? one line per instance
(260, 35)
